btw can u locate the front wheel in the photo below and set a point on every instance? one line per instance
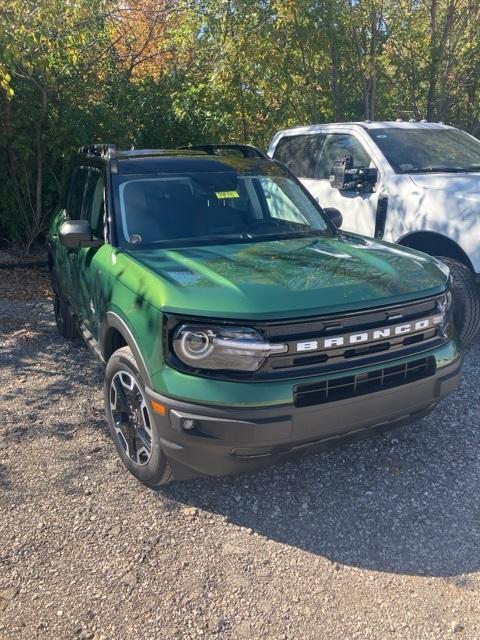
(466, 300)
(131, 422)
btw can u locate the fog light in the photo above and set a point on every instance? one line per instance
(188, 424)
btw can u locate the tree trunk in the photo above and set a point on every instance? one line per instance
(432, 81)
(335, 84)
(371, 84)
(39, 161)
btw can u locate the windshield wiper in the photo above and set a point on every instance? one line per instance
(232, 238)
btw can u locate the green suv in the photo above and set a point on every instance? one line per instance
(236, 323)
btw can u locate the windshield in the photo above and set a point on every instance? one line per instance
(428, 150)
(213, 208)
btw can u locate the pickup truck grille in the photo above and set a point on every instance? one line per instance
(363, 383)
(382, 331)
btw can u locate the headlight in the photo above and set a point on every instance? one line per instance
(442, 266)
(223, 347)
(446, 301)
(444, 306)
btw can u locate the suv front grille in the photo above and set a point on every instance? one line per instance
(319, 359)
(361, 384)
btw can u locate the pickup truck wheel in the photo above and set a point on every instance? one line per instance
(131, 423)
(466, 300)
(66, 322)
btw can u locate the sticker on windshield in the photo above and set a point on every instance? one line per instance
(222, 195)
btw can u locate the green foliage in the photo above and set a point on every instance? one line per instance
(168, 72)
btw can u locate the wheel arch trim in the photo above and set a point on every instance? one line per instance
(427, 235)
(114, 321)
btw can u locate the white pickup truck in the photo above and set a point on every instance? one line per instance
(413, 183)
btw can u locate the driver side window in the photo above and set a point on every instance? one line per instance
(76, 193)
(280, 206)
(94, 203)
(338, 145)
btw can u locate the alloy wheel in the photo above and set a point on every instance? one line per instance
(130, 417)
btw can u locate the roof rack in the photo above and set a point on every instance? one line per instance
(100, 150)
(247, 150)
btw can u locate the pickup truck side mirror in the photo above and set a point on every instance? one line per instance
(346, 178)
(74, 234)
(335, 216)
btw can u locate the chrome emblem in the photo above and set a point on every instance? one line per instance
(372, 335)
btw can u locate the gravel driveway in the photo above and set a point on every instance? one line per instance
(378, 539)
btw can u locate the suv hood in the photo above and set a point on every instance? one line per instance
(282, 278)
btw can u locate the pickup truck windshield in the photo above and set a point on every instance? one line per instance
(428, 150)
(201, 208)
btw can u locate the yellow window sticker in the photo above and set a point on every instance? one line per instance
(222, 195)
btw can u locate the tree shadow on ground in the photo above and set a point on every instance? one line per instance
(4, 478)
(406, 502)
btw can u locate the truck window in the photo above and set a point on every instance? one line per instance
(76, 192)
(338, 145)
(300, 153)
(426, 150)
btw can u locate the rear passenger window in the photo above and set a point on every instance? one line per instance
(338, 145)
(300, 153)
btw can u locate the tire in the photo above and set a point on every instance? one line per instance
(466, 300)
(131, 422)
(66, 321)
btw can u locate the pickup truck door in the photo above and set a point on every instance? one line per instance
(311, 157)
(358, 209)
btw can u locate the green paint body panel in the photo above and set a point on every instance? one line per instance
(248, 281)
(284, 279)
(256, 394)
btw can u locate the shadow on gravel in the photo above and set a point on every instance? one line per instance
(4, 479)
(407, 502)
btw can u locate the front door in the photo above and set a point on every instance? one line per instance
(90, 290)
(311, 157)
(66, 259)
(358, 209)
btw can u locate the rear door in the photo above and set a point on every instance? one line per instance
(311, 157)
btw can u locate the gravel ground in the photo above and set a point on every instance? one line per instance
(374, 540)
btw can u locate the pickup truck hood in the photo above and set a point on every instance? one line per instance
(445, 203)
(455, 183)
(283, 278)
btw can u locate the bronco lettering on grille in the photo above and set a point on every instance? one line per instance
(372, 335)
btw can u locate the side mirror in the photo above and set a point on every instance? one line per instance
(346, 178)
(335, 216)
(74, 234)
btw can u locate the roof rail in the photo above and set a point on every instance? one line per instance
(247, 150)
(100, 150)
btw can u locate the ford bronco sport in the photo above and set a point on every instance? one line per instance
(236, 323)
(415, 183)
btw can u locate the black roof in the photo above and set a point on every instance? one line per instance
(194, 163)
(208, 158)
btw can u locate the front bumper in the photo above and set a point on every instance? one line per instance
(231, 440)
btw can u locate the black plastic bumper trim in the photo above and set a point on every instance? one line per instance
(230, 440)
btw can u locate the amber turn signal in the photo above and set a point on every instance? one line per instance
(158, 408)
